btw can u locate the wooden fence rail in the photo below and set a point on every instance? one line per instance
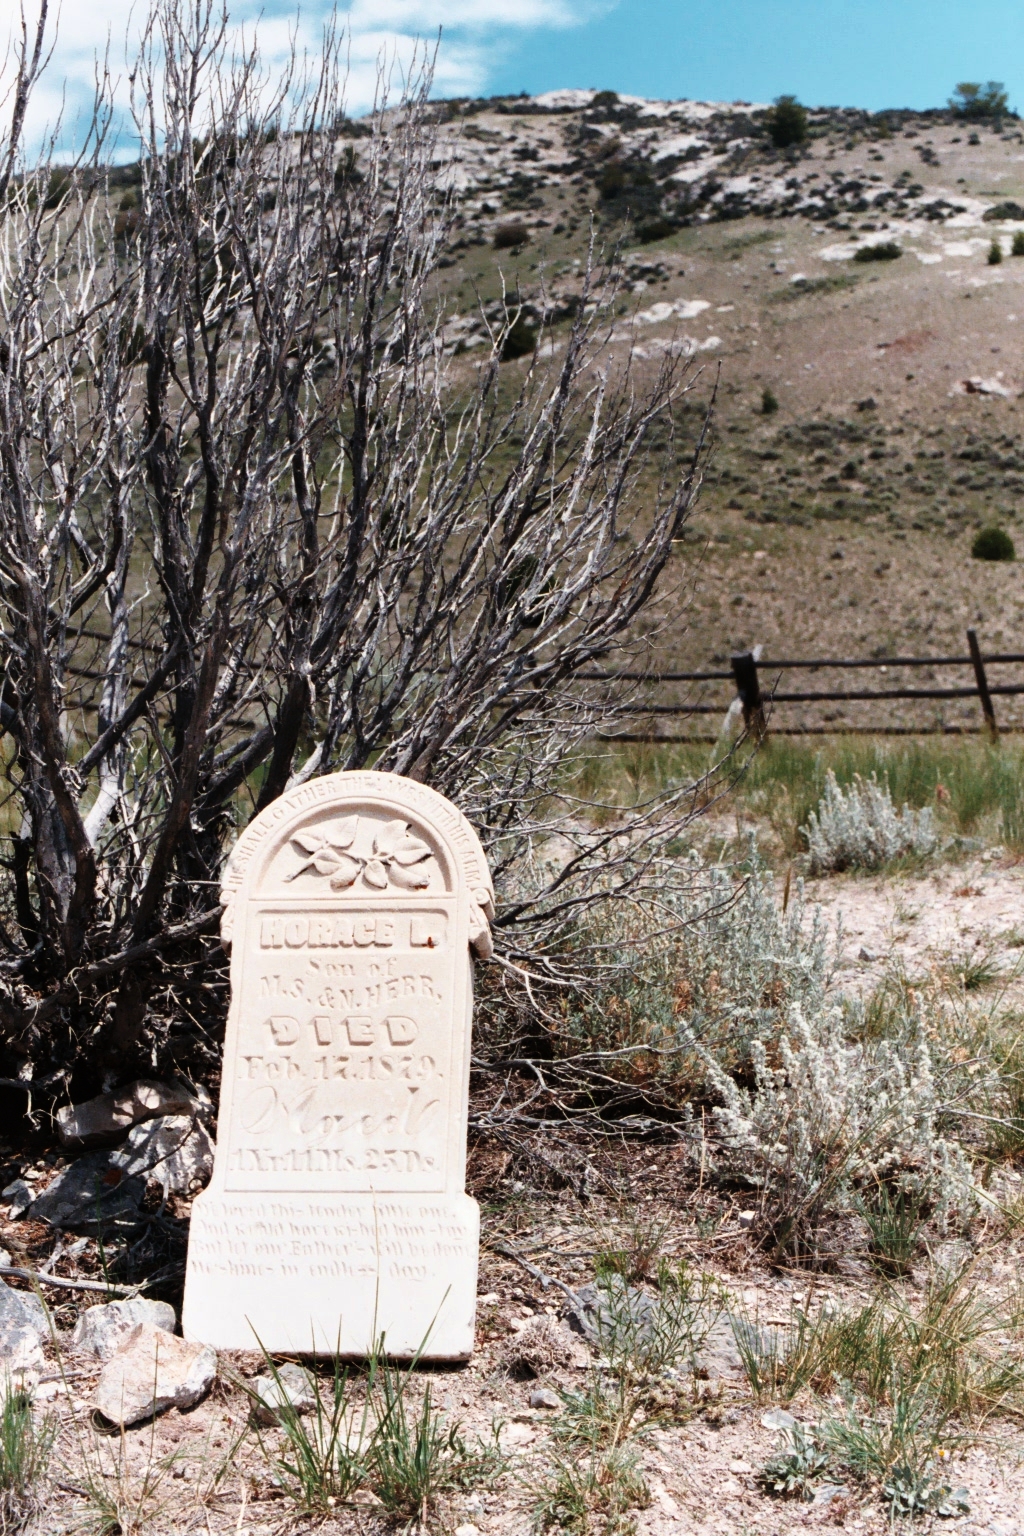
(758, 703)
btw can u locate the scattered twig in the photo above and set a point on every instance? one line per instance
(538, 1274)
(70, 1285)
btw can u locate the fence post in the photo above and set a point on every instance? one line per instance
(982, 682)
(744, 670)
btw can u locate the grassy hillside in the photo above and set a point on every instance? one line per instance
(898, 428)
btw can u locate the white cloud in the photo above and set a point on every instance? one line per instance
(382, 33)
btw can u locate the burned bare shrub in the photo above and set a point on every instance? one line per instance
(278, 533)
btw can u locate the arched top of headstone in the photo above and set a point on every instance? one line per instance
(357, 835)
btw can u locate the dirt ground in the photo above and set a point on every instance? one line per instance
(700, 1472)
(208, 1470)
(929, 920)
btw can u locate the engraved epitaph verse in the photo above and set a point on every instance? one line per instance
(337, 1207)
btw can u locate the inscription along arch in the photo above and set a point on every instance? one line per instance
(337, 1209)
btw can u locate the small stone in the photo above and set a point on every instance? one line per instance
(543, 1397)
(867, 954)
(104, 1119)
(777, 1418)
(175, 1150)
(719, 1356)
(591, 1314)
(746, 1219)
(740, 1466)
(153, 1371)
(89, 1194)
(19, 1197)
(467, 1530)
(291, 1387)
(23, 1328)
(826, 1492)
(515, 1434)
(103, 1329)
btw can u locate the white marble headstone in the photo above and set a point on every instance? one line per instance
(337, 1210)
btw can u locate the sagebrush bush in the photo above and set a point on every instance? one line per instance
(729, 966)
(1017, 248)
(769, 402)
(508, 237)
(826, 1116)
(860, 827)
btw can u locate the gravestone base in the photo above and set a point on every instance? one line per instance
(325, 1274)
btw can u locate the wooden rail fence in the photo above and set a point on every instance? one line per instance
(760, 703)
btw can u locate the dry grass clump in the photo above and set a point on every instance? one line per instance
(543, 1346)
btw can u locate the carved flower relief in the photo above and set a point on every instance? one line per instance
(398, 858)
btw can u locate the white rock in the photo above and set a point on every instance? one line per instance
(103, 1329)
(19, 1197)
(23, 1328)
(96, 1122)
(291, 1387)
(153, 1371)
(543, 1397)
(176, 1150)
(778, 1418)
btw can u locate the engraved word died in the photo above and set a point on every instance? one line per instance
(337, 1211)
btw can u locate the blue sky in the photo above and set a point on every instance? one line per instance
(868, 53)
(865, 53)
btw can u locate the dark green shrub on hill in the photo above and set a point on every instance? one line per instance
(995, 254)
(520, 340)
(769, 404)
(612, 181)
(993, 544)
(507, 237)
(1001, 211)
(603, 100)
(657, 228)
(787, 122)
(886, 250)
(1017, 248)
(975, 102)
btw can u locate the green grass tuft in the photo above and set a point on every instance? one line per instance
(26, 1444)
